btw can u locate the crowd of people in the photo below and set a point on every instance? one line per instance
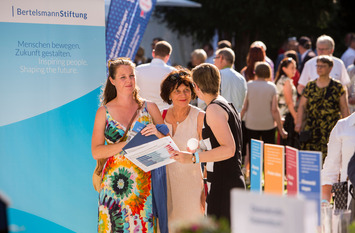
(298, 99)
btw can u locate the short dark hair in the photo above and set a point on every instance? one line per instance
(305, 42)
(173, 81)
(326, 59)
(207, 78)
(224, 44)
(162, 49)
(262, 69)
(292, 54)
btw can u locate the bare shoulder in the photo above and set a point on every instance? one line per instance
(101, 111)
(151, 106)
(215, 111)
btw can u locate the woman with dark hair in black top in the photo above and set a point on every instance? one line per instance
(222, 135)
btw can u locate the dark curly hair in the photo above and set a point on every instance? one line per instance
(173, 81)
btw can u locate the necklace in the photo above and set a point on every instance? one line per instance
(181, 119)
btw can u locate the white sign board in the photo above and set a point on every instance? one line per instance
(252, 212)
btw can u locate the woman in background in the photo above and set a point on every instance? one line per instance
(287, 96)
(261, 107)
(324, 102)
(255, 54)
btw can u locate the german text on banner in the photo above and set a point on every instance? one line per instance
(309, 168)
(274, 169)
(126, 24)
(256, 165)
(291, 171)
(52, 63)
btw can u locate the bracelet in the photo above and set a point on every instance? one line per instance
(324, 201)
(197, 157)
(193, 159)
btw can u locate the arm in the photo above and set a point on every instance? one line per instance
(288, 97)
(300, 113)
(332, 163)
(304, 78)
(150, 129)
(98, 148)
(217, 119)
(326, 192)
(200, 117)
(300, 88)
(277, 117)
(344, 109)
(245, 107)
(352, 99)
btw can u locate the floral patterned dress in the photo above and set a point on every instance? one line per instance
(125, 199)
(323, 112)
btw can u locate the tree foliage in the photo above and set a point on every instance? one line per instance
(244, 21)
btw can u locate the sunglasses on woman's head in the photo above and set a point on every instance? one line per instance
(177, 75)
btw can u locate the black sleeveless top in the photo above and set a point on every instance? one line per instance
(227, 174)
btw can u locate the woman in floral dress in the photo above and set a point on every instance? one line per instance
(125, 197)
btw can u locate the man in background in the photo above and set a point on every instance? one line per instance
(305, 50)
(233, 84)
(325, 46)
(154, 42)
(348, 56)
(149, 76)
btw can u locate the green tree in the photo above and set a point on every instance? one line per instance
(244, 21)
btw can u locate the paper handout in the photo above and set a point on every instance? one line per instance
(153, 154)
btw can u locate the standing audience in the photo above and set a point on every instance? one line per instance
(305, 50)
(233, 84)
(261, 45)
(260, 110)
(209, 51)
(287, 97)
(198, 56)
(325, 46)
(255, 54)
(348, 56)
(293, 54)
(323, 101)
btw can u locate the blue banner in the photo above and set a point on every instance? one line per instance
(309, 169)
(52, 61)
(126, 24)
(256, 165)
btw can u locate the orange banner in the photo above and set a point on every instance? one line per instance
(274, 169)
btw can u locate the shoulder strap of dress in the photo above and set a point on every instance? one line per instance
(144, 107)
(107, 114)
(106, 109)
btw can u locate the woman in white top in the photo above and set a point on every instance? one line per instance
(287, 96)
(184, 182)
